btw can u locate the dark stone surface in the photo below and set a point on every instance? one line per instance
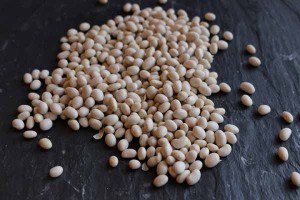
(29, 39)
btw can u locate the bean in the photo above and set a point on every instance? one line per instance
(283, 153)
(210, 16)
(228, 35)
(295, 178)
(56, 171)
(160, 180)
(183, 176)
(224, 87)
(231, 128)
(46, 124)
(18, 124)
(129, 153)
(29, 134)
(194, 177)
(246, 100)
(134, 164)
(212, 160)
(247, 87)
(287, 116)
(264, 109)
(250, 49)
(113, 161)
(285, 134)
(254, 61)
(45, 143)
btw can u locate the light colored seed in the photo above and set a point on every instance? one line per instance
(210, 16)
(250, 49)
(110, 140)
(283, 153)
(127, 7)
(24, 108)
(225, 150)
(44, 74)
(179, 167)
(212, 160)
(198, 132)
(30, 122)
(74, 124)
(295, 178)
(113, 161)
(56, 171)
(246, 100)
(264, 109)
(45, 143)
(231, 138)
(29, 134)
(228, 35)
(103, 1)
(134, 164)
(247, 87)
(18, 124)
(220, 138)
(46, 124)
(231, 128)
(160, 180)
(129, 153)
(35, 84)
(287, 116)
(224, 87)
(194, 177)
(23, 115)
(43, 108)
(204, 152)
(222, 45)
(254, 61)
(285, 134)
(84, 26)
(162, 1)
(27, 78)
(196, 165)
(182, 177)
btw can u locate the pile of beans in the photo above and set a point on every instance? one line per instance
(145, 76)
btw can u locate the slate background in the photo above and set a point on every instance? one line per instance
(29, 39)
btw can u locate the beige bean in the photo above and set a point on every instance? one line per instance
(246, 100)
(129, 153)
(295, 178)
(45, 143)
(113, 161)
(247, 87)
(285, 134)
(29, 134)
(250, 49)
(224, 87)
(56, 171)
(287, 116)
(254, 61)
(194, 177)
(134, 164)
(264, 109)
(283, 153)
(225, 150)
(160, 180)
(231, 128)
(212, 160)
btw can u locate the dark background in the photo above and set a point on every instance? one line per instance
(29, 38)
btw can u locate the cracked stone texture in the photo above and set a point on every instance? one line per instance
(29, 39)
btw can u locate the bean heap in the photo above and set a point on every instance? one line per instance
(143, 77)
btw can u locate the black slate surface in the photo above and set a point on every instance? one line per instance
(29, 39)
